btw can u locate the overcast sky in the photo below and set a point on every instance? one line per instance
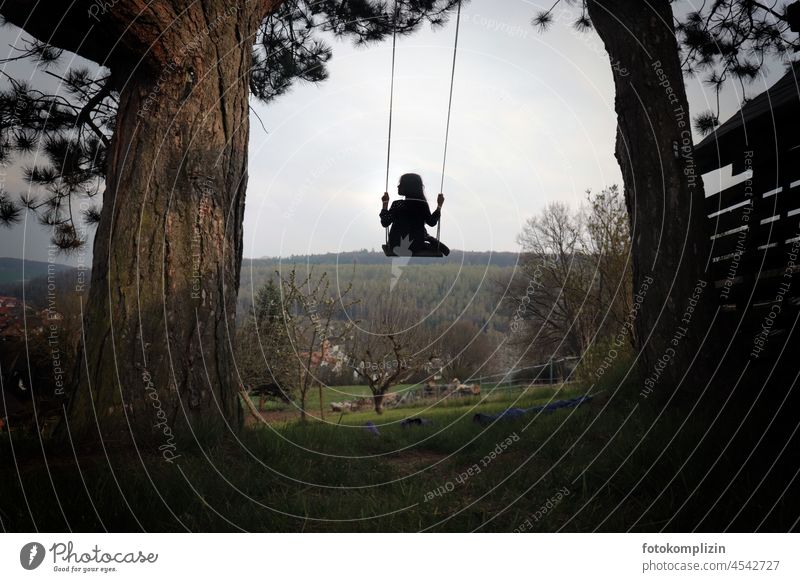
(533, 122)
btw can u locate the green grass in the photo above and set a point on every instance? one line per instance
(348, 393)
(329, 394)
(624, 465)
(339, 394)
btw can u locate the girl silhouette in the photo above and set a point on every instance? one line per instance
(408, 218)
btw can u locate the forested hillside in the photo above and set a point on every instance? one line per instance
(14, 271)
(464, 286)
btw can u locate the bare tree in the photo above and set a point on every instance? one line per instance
(550, 293)
(575, 281)
(309, 313)
(394, 347)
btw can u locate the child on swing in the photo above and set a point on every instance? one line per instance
(408, 217)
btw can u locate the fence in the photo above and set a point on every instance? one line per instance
(553, 371)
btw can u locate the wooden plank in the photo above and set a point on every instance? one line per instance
(749, 242)
(728, 269)
(726, 198)
(764, 220)
(754, 261)
(765, 179)
(771, 288)
(731, 243)
(778, 231)
(730, 219)
(789, 163)
(774, 256)
(787, 200)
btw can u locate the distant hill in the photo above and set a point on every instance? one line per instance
(15, 271)
(464, 286)
(365, 257)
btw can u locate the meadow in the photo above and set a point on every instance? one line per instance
(517, 395)
(609, 465)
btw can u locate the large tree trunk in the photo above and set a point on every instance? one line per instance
(159, 322)
(663, 192)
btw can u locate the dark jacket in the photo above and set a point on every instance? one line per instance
(408, 218)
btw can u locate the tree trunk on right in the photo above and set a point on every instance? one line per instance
(663, 193)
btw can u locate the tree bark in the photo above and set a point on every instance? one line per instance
(122, 33)
(663, 193)
(159, 322)
(378, 401)
(303, 413)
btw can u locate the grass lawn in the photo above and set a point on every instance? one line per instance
(339, 394)
(329, 394)
(502, 396)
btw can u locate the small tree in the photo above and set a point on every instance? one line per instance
(395, 348)
(309, 314)
(263, 348)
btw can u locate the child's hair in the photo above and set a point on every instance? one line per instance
(411, 186)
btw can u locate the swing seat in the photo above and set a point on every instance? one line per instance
(434, 254)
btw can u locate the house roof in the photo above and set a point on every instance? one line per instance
(757, 115)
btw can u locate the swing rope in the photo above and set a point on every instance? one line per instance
(450, 101)
(391, 106)
(449, 111)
